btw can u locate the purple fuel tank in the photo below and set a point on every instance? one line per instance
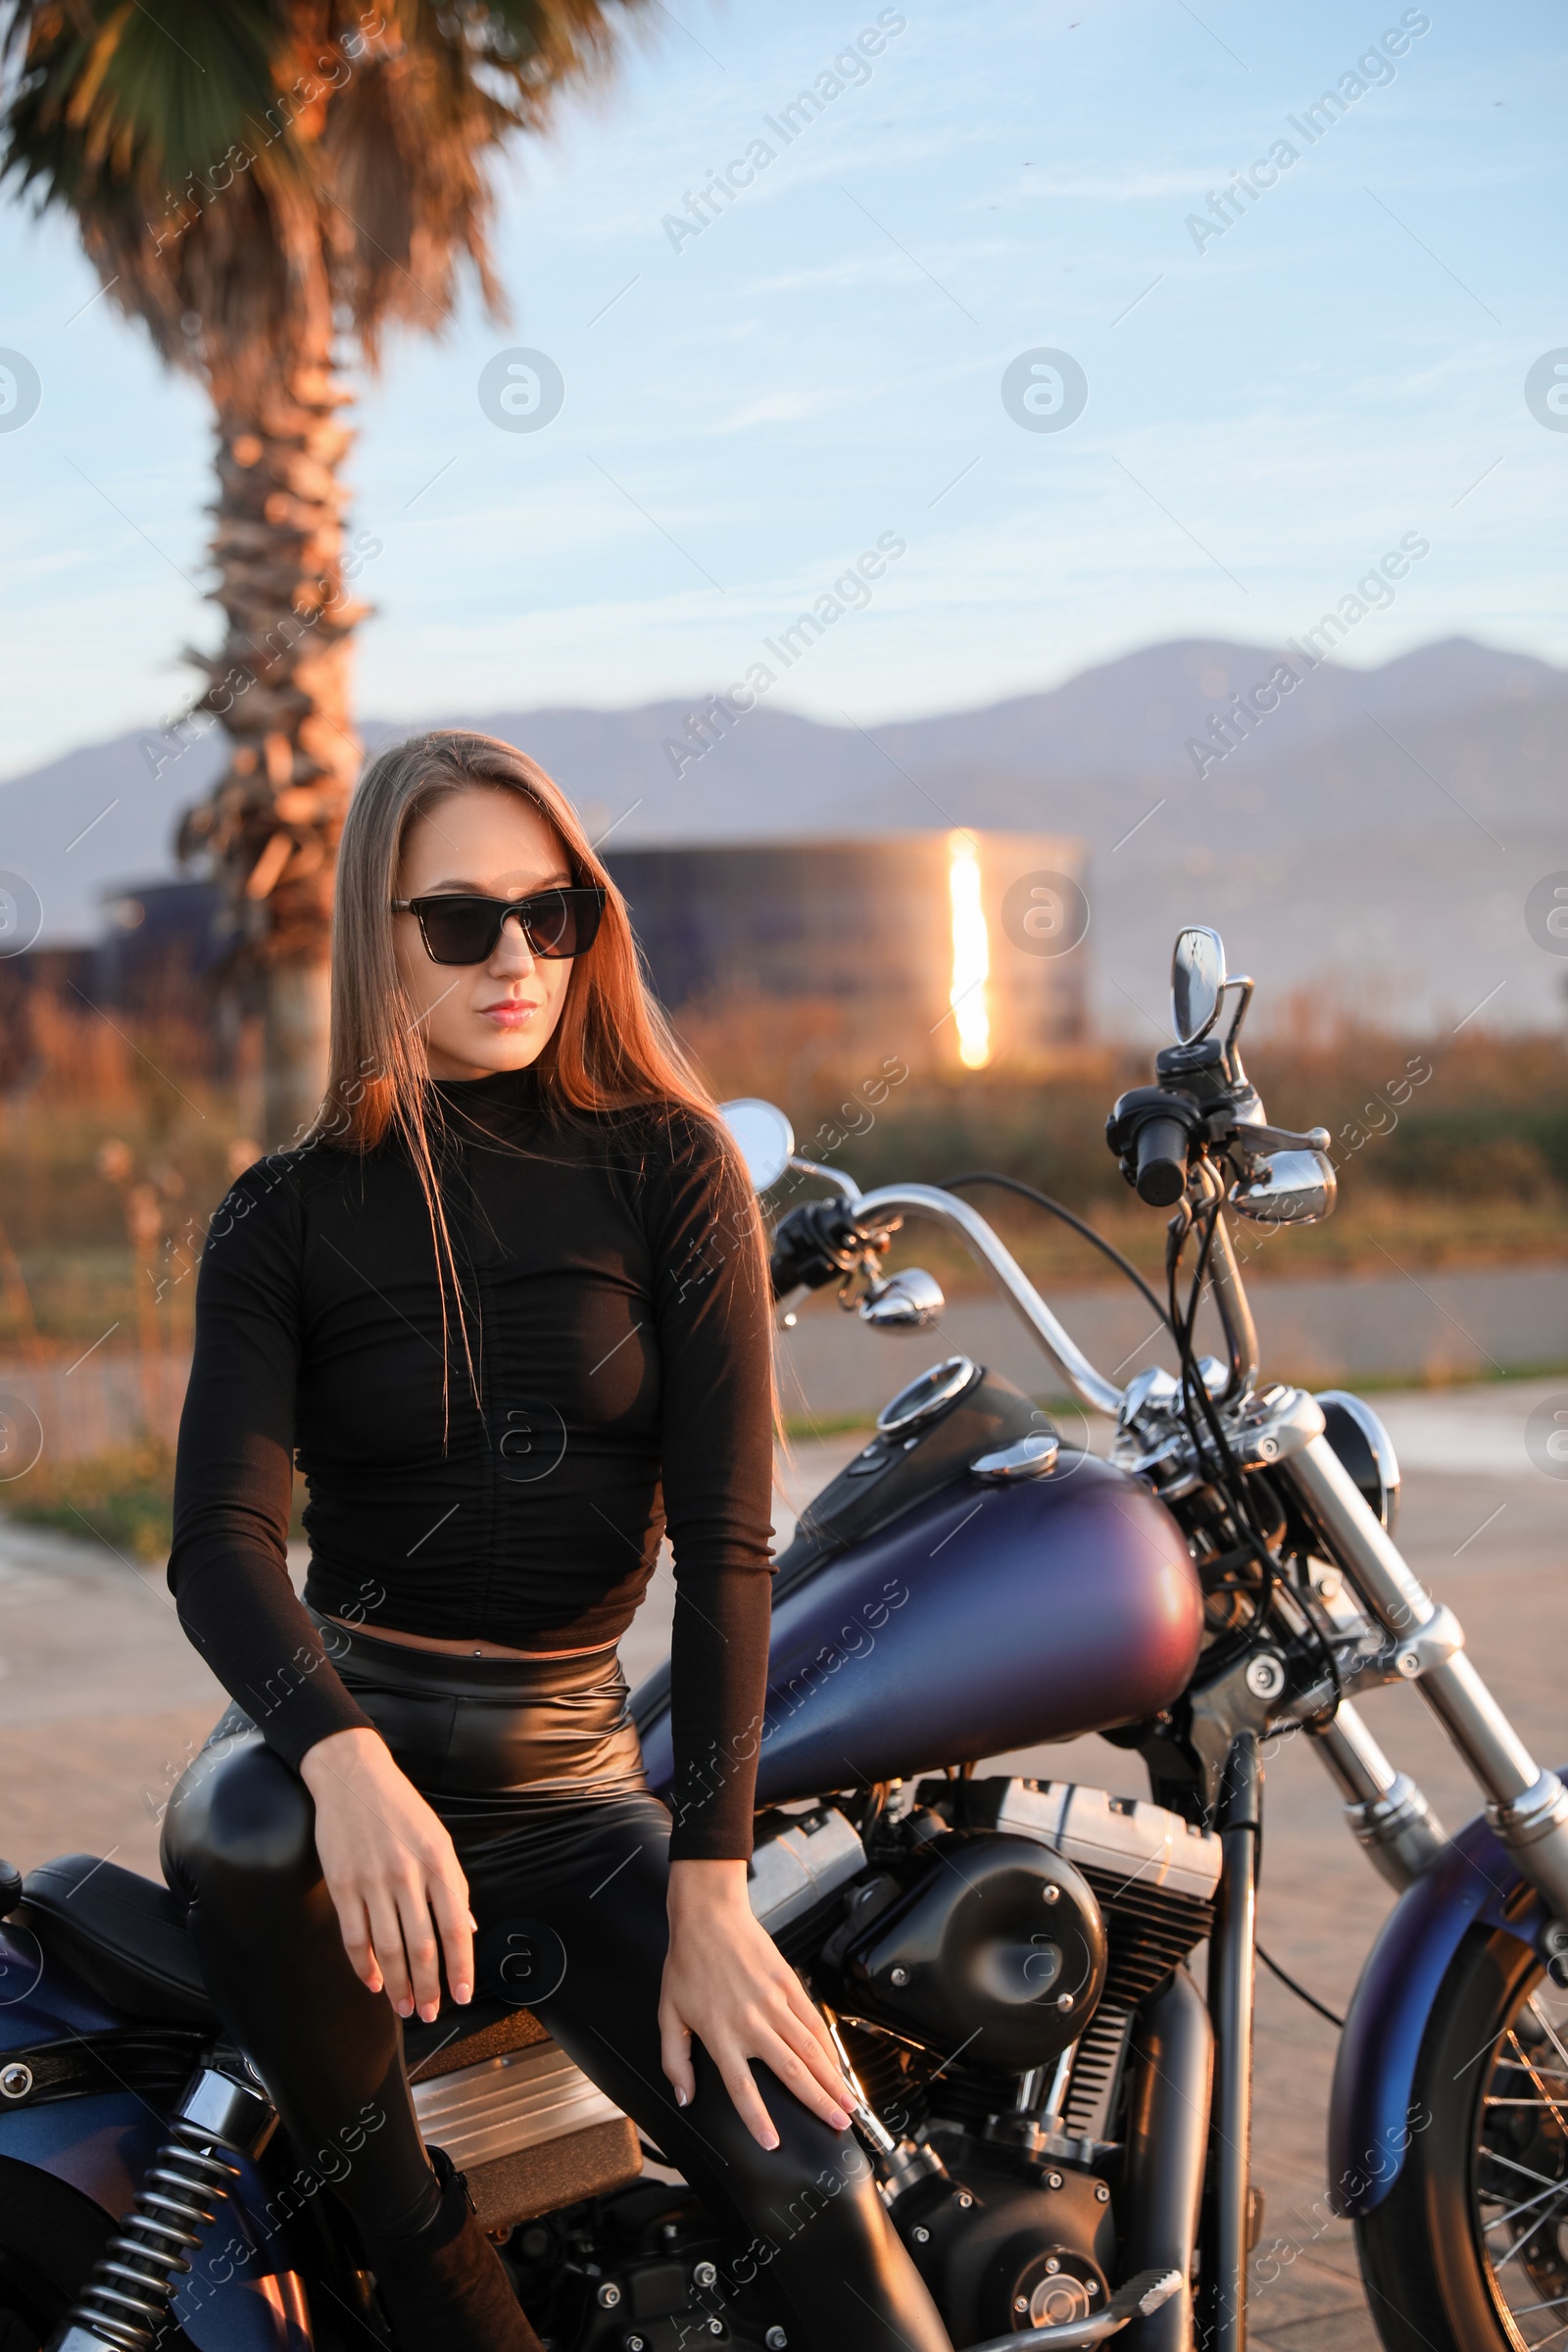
(988, 1619)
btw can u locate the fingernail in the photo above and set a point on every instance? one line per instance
(404, 2008)
(680, 2097)
(429, 2012)
(461, 1992)
(771, 2141)
(840, 2121)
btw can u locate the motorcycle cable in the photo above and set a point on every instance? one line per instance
(1300, 1990)
(1193, 1389)
(1249, 1526)
(1027, 1192)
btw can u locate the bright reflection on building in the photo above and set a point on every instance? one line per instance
(971, 954)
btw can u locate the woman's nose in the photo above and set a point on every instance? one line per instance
(513, 953)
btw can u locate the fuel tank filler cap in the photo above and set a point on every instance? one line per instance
(932, 1394)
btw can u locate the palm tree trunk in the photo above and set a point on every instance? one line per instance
(280, 686)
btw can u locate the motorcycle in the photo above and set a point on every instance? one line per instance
(1058, 2118)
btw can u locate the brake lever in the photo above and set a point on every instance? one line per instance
(1260, 1135)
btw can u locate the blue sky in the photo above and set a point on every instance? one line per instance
(747, 409)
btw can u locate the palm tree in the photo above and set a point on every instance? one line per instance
(253, 180)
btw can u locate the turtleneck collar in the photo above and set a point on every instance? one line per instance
(485, 1101)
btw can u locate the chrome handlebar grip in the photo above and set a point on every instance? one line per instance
(927, 1201)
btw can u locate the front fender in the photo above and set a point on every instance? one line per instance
(1474, 1879)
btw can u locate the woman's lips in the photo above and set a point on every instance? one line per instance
(508, 1015)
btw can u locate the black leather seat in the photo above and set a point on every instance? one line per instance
(122, 1935)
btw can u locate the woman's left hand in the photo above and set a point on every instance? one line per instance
(727, 1982)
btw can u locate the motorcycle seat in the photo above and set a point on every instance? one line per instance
(124, 1936)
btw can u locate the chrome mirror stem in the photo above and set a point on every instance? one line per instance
(845, 1186)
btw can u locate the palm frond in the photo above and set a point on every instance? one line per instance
(247, 175)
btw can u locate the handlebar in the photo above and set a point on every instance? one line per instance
(926, 1200)
(1102, 1395)
(881, 1208)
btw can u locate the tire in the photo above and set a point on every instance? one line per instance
(1468, 2252)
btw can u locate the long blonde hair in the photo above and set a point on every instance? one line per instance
(610, 1050)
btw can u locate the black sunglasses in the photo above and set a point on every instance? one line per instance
(458, 929)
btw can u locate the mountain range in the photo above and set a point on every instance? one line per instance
(1375, 833)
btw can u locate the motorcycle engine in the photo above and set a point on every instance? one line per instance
(1004, 2181)
(997, 1947)
(985, 1960)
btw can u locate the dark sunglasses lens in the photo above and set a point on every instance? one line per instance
(562, 922)
(460, 930)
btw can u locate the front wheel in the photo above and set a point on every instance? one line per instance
(1468, 2252)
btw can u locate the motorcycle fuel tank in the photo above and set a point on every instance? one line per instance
(988, 1619)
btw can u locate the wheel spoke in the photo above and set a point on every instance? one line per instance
(1546, 2027)
(1523, 2238)
(1539, 2212)
(1548, 2179)
(1541, 2341)
(1546, 2099)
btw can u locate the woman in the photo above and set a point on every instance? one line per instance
(506, 1305)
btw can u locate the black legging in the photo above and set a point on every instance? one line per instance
(568, 1884)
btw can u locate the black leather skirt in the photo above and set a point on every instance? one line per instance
(535, 1730)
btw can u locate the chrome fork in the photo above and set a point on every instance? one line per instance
(1525, 1805)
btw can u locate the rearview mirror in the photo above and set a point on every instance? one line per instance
(1196, 983)
(763, 1136)
(908, 1302)
(1290, 1188)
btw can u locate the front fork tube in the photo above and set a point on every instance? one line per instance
(1386, 1811)
(1527, 1807)
(1231, 1973)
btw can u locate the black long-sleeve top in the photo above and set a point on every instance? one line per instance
(616, 1324)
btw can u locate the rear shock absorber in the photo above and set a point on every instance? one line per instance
(125, 2302)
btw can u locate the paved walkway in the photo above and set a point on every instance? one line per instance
(101, 1704)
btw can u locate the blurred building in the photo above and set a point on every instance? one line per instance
(953, 949)
(160, 943)
(154, 961)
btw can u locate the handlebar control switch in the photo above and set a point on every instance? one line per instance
(1151, 1129)
(818, 1243)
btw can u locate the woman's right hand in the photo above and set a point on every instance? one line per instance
(389, 1867)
